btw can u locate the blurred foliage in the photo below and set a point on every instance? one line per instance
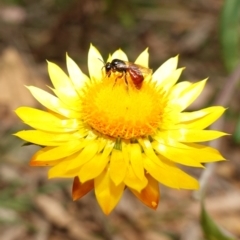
(236, 135)
(230, 39)
(230, 33)
(61, 3)
(18, 202)
(210, 229)
(13, 2)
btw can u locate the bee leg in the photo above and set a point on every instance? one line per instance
(125, 78)
(116, 80)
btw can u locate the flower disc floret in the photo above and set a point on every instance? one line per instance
(121, 111)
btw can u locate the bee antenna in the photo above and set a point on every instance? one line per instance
(102, 62)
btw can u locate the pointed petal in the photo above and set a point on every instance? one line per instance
(109, 59)
(148, 150)
(34, 163)
(59, 170)
(93, 168)
(132, 181)
(102, 143)
(189, 135)
(79, 79)
(190, 94)
(190, 116)
(183, 152)
(169, 81)
(208, 154)
(185, 156)
(178, 89)
(150, 194)
(55, 153)
(178, 155)
(89, 151)
(65, 96)
(46, 121)
(80, 189)
(170, 175)
(143, 58)
(107, 193)
(95, 64)
(165, 70)
(62, 83)
(53, 103)
(117, 167)
(45, 138)
(119, 54)
(39, 163)
(200, 119)
(136, 160)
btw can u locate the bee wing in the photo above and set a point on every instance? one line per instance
(141, 70)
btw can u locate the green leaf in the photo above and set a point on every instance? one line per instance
(210, 228)
(230, 33)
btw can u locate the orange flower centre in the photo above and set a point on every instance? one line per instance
(121, 111)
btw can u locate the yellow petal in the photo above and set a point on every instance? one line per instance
(53, 103)
(79, 79)
(73, 102)
(132, 181)
(148, 150)
(143, 58)
(93, 167)
(169, 81)
(95, 63)
(117, 167)
(119, 54)
(34, 163)
(96, 165)
(61, 82)
(80, 189)
(177, 89)
(200, 119)
(55, 153)
(46, 138)
(179, 151)
(136, 160)
(46, 121)
(107, 193)
(170, 175)
(88, 152)
(190, 94)
(177, 154)
(189, 135)
(208, 154)
(59, 170)
(150, 194)
(191, 116)
(102, 142)
(109, 59)
(165, 70)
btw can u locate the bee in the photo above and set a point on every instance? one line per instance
(136, 72)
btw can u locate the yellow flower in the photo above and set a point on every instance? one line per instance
(108, 135)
